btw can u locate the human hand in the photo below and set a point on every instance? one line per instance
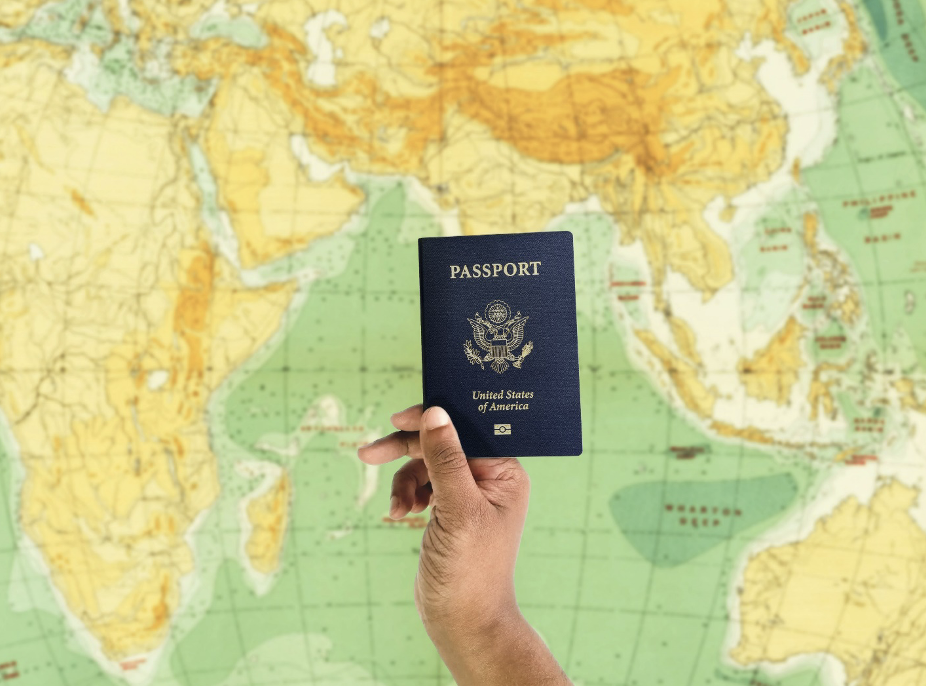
(465, 580)
(464, 588)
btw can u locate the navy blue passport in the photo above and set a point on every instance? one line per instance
(499, 344)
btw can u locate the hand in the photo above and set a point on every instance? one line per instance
(465, 577)
(464, 588)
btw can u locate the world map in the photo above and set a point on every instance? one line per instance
(209, 300)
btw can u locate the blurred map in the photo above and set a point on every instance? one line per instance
(208, 301)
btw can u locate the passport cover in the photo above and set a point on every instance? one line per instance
(499, 344)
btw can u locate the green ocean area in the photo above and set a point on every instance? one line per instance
(770, 262)
(901, 42)
(671, 523)
(875, 163)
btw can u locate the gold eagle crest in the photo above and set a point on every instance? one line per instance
(499, 334)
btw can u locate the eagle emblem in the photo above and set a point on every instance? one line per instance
(499, 334)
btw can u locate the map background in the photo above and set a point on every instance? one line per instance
(340, 610)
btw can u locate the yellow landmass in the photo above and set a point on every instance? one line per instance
(160, 21)
(275, 209)
(748, 433)
(696, 396)
(475, 167)
(116, 470)
(685, 340)
(82, 203)
(853, 48)
(772, 371)
(269, 514)
(844, 300)
(15, 13)
(854, 588)
(562, 6)
(845, 454)
(819, 394)
(850, 307)
(774, 22)
(908, 391)
(532, 105)
(811, 224)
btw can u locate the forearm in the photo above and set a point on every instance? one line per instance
(508, 652)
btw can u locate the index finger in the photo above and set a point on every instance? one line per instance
(391, 447)
(408, 419)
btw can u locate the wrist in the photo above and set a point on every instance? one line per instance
(473, 625)
(471, 610)
(467, 642)
(502, 649)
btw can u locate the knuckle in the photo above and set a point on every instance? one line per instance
(514, 488)
(515, 476)
(408, 444)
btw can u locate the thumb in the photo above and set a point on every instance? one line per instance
(448, 469)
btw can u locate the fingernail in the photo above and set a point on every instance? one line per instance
(437, 418)
(393, 505)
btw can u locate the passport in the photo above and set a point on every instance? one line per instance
(499, 341)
